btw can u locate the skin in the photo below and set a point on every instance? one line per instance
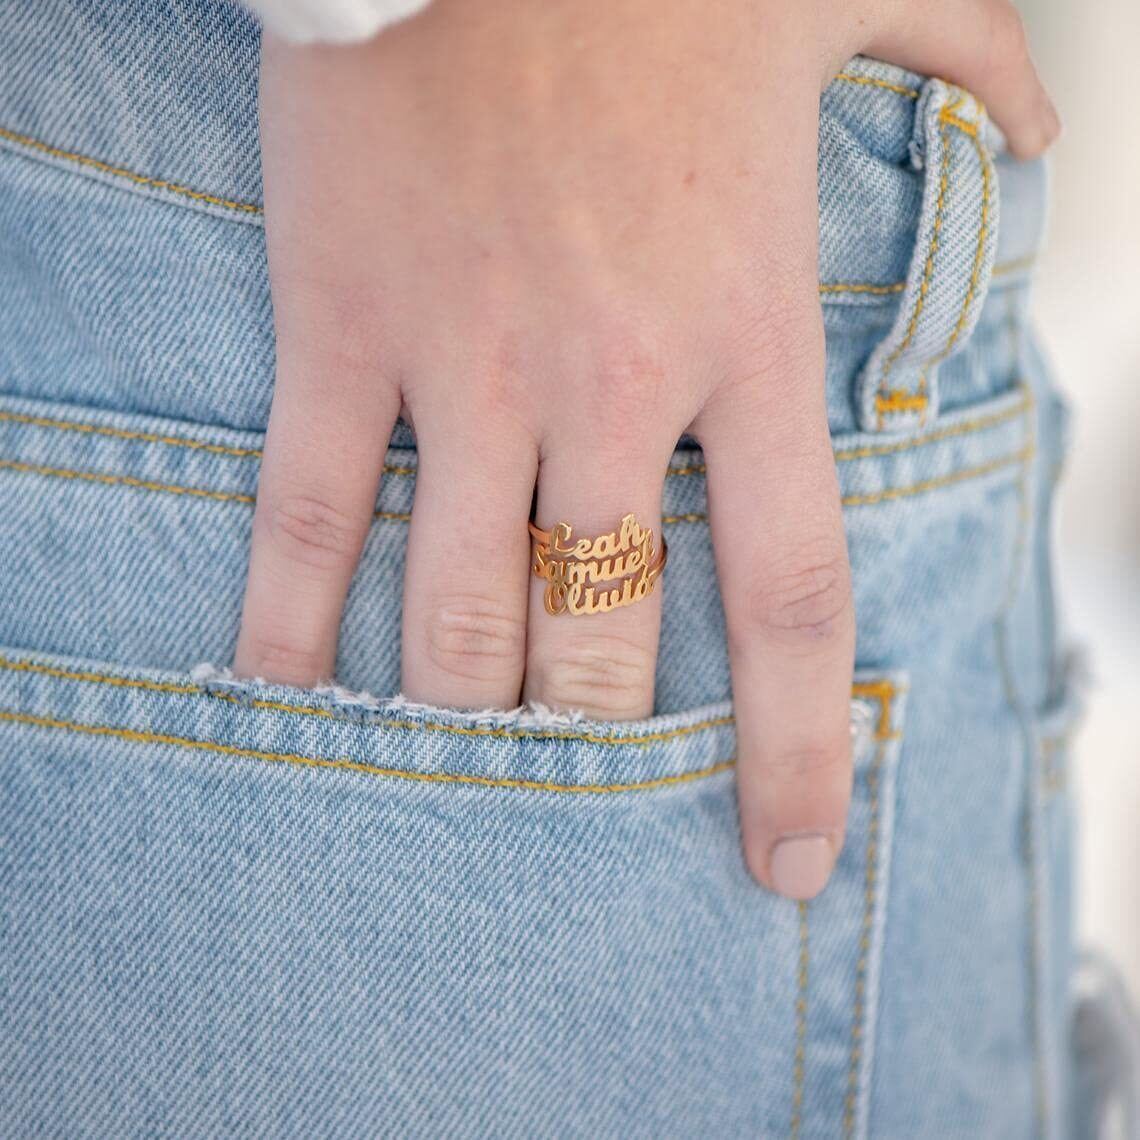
(556, 236)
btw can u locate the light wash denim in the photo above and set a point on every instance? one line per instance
(233, 909)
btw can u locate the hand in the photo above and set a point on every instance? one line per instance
(557, 236)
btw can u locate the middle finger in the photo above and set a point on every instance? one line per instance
(465, 586)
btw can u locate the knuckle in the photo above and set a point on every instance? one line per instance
(814, 762)
(808, 603)
(311, 532)
(284, 660)
(630, 380)
(604, 677)
(475, 638)
(774, 355)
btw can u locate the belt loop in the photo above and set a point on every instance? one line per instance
(949, 274)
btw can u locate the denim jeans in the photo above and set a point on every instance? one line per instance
(232, 908)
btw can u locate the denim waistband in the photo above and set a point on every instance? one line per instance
(165, 310)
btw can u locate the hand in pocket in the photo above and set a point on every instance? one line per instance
(556, 237)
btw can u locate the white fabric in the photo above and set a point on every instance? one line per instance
(332, 21)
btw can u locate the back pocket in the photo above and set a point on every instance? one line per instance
(240, 908)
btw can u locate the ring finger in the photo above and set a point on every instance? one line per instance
(597, 654)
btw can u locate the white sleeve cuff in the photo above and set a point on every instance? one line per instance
(332, 21)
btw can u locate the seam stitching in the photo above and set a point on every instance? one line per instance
(18, 666)
(516, 783)
(976, 270)
(962, 475)
(155, 437)
(963, 428)
(126, 433)
(869, 904)
(398, 469)
(255, 208)
(870, 81)
(967, 427)
(862, 287)
(1002, 269)
(122, 480)
(927, 270)
(799, 1065)
(870, 287)
(130, 175)
(1029, 846)
(883, 691)
(900, 400)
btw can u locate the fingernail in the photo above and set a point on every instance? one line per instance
(800, 865)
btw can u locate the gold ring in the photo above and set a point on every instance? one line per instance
(576, 570)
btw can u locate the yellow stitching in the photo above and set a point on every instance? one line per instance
(900, 400)
(120, 172)
(943, 481)
(966, 128)
(254, 208)
(367, 769)
(122, 480)
(862, 287)
(970, 426)
(166, 488)
(867, 81)
(966, 427)
(153, 437)
(928, 268)
(897, 401)
(801, 1023)
(404, 516)
(123, 433)
(860, 1010)
(898, 286)
(975, 273)
(884, 692)
(99, 678)
(892, 493)
(17, 666)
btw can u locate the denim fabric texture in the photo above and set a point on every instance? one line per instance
(237, 909)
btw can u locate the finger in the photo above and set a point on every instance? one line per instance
(981, 45)
(465, 589)
(599, 663)
(781, 559)
(324, 452)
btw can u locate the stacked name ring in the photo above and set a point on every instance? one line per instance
(578, 571)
